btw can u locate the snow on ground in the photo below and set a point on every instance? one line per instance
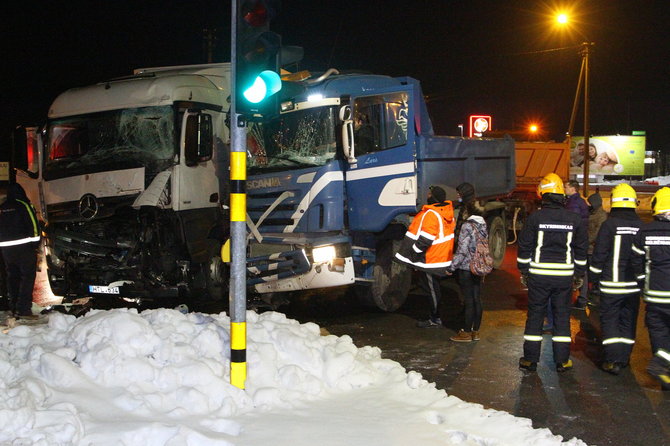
(161, 377)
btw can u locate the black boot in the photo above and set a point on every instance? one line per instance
(525, 364)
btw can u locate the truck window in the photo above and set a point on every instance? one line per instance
(380, 122)
(294, 140)
(104, 141)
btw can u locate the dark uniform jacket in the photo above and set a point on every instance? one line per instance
(18, 222)
(553, 242)
(611, 262)
(652, 243)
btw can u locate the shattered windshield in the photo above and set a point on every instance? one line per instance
(295, 140)
(110, 140)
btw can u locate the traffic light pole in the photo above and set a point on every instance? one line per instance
(238, 233)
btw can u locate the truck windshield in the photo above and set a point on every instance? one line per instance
(299, 139)
(138, 137)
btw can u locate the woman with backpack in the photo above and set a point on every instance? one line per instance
(471, 261)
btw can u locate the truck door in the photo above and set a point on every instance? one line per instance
(195, 183)
(380, 176)
(27, 155)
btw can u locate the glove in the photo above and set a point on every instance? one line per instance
(577, 283)
(524, 280)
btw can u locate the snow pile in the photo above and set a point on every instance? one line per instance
(161, 377)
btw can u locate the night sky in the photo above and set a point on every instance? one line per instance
(499, 57)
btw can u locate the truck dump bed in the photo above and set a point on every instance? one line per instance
(488, 164)
(536, 159)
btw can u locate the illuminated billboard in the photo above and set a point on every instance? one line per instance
(609, 155)
(479, 124)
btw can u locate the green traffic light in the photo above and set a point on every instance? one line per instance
(266, 84)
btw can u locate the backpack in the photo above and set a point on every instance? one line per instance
(481, 263)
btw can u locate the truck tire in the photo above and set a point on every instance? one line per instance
(392, 280)
(497, 240)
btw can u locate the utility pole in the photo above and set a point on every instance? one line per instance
(586, 46)
(209, 43)
(584, 80)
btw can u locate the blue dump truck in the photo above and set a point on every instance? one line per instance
(130, 178)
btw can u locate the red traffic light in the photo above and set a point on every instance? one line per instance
(258, 13)
(255, 13)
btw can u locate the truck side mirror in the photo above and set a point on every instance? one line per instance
(346, 116)
(198, 138)
(20, 148)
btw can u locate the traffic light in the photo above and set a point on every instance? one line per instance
(257, 79)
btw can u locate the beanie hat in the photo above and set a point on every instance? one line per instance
(595, 200)
(438, 193)
(467, 192)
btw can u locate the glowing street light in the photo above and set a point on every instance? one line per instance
(585, 51)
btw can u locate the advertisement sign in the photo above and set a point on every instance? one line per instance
(4, 171)
(479, 124)
(609, 155)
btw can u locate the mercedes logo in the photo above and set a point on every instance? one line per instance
(88, 207)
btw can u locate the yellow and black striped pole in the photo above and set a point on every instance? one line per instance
(238, 231)
(237, 296)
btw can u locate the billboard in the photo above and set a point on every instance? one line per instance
(609, 155)
(4, 171)
(479, 124)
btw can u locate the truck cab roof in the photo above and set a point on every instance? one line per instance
(148, 87)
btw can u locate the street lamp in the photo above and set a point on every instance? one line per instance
(585, 52)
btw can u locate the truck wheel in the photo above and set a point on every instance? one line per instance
(392, 280)
(216, 277)
(497, 240)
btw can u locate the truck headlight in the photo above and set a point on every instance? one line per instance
(323, 254)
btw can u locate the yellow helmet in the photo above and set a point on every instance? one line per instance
(660, 204)
(550, 184)
(624, 196)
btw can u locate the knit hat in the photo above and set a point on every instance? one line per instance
(438, 193)
(595, 200)
(466, 191)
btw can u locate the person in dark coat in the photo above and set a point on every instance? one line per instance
(19, 239)
(551, 258)
(651, 264)
(612, 274)
(597, 216)
(575, 203)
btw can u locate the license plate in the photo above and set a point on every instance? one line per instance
(102, 289)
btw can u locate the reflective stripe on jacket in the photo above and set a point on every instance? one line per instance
(553, 242)
(18, 223)
(429, 242)
(651, 260)
(611, 262)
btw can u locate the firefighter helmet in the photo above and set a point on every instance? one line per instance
(660, 204)
(624, 196)
(550, 184)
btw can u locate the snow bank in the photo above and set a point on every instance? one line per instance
(161, 377)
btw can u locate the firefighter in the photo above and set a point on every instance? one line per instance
(651, 263)
(19, 239)
(428, 247)
(552, 260)
(612, 274)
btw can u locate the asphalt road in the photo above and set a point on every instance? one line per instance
(601, 409)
